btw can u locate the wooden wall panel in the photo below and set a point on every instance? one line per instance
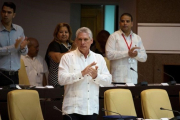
(158, 11)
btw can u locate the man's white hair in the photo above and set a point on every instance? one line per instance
(84, 30)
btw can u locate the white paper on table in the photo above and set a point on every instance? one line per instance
(130, 84)
(164, 84)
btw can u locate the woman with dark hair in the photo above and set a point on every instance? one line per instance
(60, 45)
(102, 38)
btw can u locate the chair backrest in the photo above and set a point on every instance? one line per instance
(23, 78)
(151, 102)
(120, 101)
(24, 105)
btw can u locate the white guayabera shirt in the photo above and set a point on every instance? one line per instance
(117, 53)
(35, 69)
(81, 94)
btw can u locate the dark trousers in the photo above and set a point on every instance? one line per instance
(9, 79)
(80, 117)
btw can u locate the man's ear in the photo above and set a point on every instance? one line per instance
(131, 24)
(14, 14)
(92, 41)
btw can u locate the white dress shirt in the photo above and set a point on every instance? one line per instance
(35, 69)
(81, 94)
(117, 53)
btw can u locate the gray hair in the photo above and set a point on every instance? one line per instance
(84, 30)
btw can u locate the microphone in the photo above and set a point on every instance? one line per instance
(61, 111)
(170, 110)
(11, 86)
(112, 112)
(144, 83)
(173, 82)
(136, 71)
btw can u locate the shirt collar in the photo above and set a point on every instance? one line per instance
(80, 54)
(3, 28)
(27, 56)
(68, 46)
(121, 32)
(13, 27)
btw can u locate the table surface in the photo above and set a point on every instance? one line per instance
(55, 98)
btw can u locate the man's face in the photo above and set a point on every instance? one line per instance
(7, 14)
(33, 49)
(83, 42)
(126, 24)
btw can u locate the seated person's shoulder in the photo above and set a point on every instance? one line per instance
(40, 58)
(23, 57)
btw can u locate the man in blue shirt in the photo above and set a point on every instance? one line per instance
(12, 45)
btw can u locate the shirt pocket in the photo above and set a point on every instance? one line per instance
(74, 68)
(117, 45)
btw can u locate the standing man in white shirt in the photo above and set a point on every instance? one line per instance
(82, 72)
(36, 66)
(124, 49)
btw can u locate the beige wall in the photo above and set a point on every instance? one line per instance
(39, 17)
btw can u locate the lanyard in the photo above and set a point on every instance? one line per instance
(129, 47)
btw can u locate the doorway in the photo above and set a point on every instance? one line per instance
(92, 16)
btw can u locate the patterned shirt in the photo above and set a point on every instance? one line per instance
(52, 65)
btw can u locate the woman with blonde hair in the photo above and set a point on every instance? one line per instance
(60, 45)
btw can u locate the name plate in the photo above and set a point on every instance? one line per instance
(164, 119)
(130, 84)
(18, 87)
(164, 84)
(49, 86)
